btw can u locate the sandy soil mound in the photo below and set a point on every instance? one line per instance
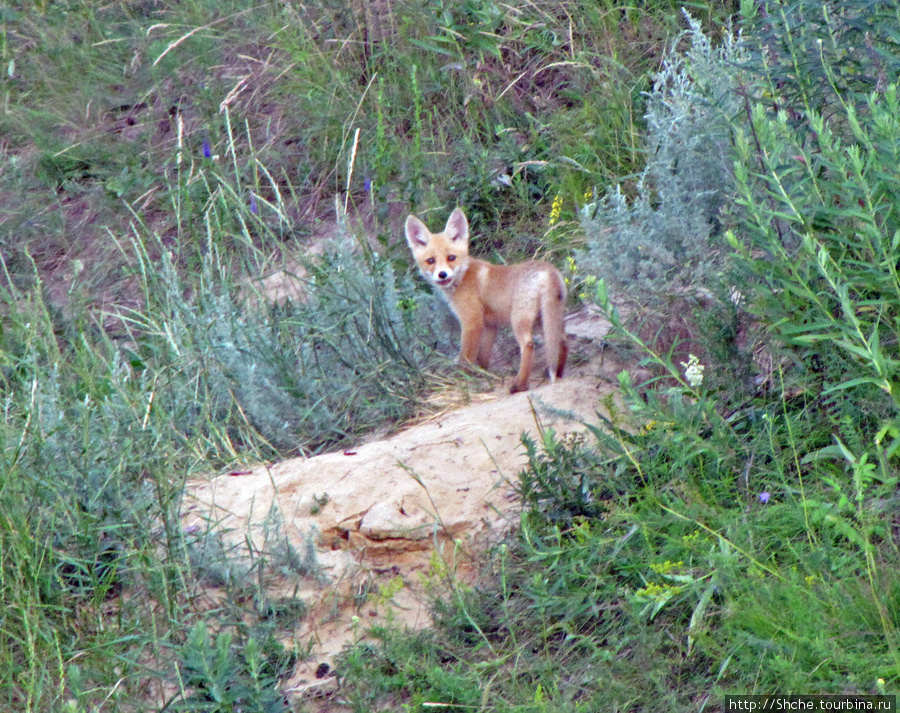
(381, 512)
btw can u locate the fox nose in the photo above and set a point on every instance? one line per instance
(443, 275)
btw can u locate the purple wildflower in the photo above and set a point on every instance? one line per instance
(207, 149)
(764, 497)
(253, 207)
(367, 185)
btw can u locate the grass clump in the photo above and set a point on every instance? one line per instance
(87, 509)
(218, 675)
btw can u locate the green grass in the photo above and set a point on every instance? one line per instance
(734, 536)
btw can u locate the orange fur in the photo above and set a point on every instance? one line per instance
(485, 296)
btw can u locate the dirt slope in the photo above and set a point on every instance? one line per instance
(380, 512)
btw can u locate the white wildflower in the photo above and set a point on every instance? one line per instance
(693, 370)
(737, 297)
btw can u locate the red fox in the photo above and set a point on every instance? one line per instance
(485, 296)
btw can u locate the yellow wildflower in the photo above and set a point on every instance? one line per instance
(555, 209)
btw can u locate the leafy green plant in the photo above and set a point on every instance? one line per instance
(221, 676)
(818, 250)
(815, 56)
(827, 213)
(468, 27)
(88, 507)
(300, 374)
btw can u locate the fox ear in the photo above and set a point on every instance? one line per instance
(417, 233)
(457, 226)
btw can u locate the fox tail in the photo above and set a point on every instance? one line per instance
(552, 314)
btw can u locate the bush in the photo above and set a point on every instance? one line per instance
(816, 55)
(88, 509)
(299, 375)
(663, 240)
(822, 249)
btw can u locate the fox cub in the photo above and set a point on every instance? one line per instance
(485, 296)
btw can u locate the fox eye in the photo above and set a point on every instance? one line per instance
(430, 261)
(451, 258)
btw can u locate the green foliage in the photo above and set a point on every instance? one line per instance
(702, 527)
(788, 489)
(99, 432)
(222, 676)
(826, 213)
(819, 252)
(814, 55)
(302, 374)
(95, 448)
(113, 95)
(87, 506)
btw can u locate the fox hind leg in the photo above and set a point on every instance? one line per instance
(488, 335)
(523, 328)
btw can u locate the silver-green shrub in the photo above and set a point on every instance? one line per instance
(661, 239)
(300, 374)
